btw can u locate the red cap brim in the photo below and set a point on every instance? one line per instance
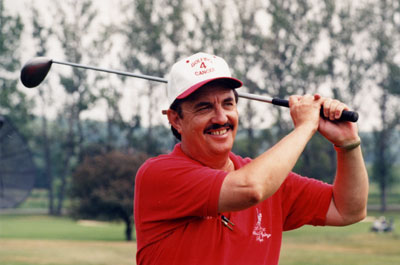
(233, 82)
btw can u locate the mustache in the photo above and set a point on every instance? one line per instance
(216, 126)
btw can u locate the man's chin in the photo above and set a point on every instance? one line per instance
(221, 148)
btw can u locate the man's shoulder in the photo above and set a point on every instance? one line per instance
(174, 159)
(163, 159)
(160, 159)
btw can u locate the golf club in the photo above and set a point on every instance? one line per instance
(36, 70)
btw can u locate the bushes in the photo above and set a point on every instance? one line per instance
(103, 187)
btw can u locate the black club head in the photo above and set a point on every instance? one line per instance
(35, 71)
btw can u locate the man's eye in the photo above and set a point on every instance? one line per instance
(204, 108)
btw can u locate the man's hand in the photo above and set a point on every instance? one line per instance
(339, 133)
(305, 110)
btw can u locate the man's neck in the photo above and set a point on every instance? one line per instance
(215, 161)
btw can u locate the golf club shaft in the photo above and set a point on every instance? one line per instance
(148, 77)
(346, 115)
(153, 78)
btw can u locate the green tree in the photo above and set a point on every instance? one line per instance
(13, 102)
(284, 46)
(345, 67)
(210, 31)
(103, 187)
(41, 34)
(110, 89)
(318, 160)
(227, 30)
(155, 34)
(289, 62)
(385, 75)
(74, 20)
(244, 55)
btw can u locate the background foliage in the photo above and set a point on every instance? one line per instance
(348, 50)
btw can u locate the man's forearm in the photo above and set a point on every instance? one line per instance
(262, 177)
(272, 167)
(350, 189)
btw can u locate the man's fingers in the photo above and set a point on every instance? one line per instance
(333, 109)
(294, 99)
(339, 110)
(326, 105)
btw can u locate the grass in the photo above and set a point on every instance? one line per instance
(49, 227)
(65, 252)
(45, 240)
(350, 245)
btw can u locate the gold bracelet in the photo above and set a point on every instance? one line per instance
(349, 146)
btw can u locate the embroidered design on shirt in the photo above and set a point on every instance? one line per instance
(259, 231)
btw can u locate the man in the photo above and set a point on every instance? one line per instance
(202, 204)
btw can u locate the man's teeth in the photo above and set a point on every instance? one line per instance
(220, 132)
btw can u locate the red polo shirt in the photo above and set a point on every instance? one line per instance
(177, 219)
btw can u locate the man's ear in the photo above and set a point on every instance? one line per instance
(174, 119)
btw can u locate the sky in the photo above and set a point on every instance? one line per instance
(109, 12)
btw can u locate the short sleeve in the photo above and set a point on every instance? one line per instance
(305, 201)
(171, 189)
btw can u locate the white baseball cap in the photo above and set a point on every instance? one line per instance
(193, 72)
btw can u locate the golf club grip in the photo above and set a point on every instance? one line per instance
(347, 115)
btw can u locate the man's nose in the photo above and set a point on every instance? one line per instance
(220, 115)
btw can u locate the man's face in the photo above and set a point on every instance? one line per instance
(209, 124)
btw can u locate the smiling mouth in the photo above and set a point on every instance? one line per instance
(217, 129)
(220, 132)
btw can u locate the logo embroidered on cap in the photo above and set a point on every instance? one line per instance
(203, 67)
